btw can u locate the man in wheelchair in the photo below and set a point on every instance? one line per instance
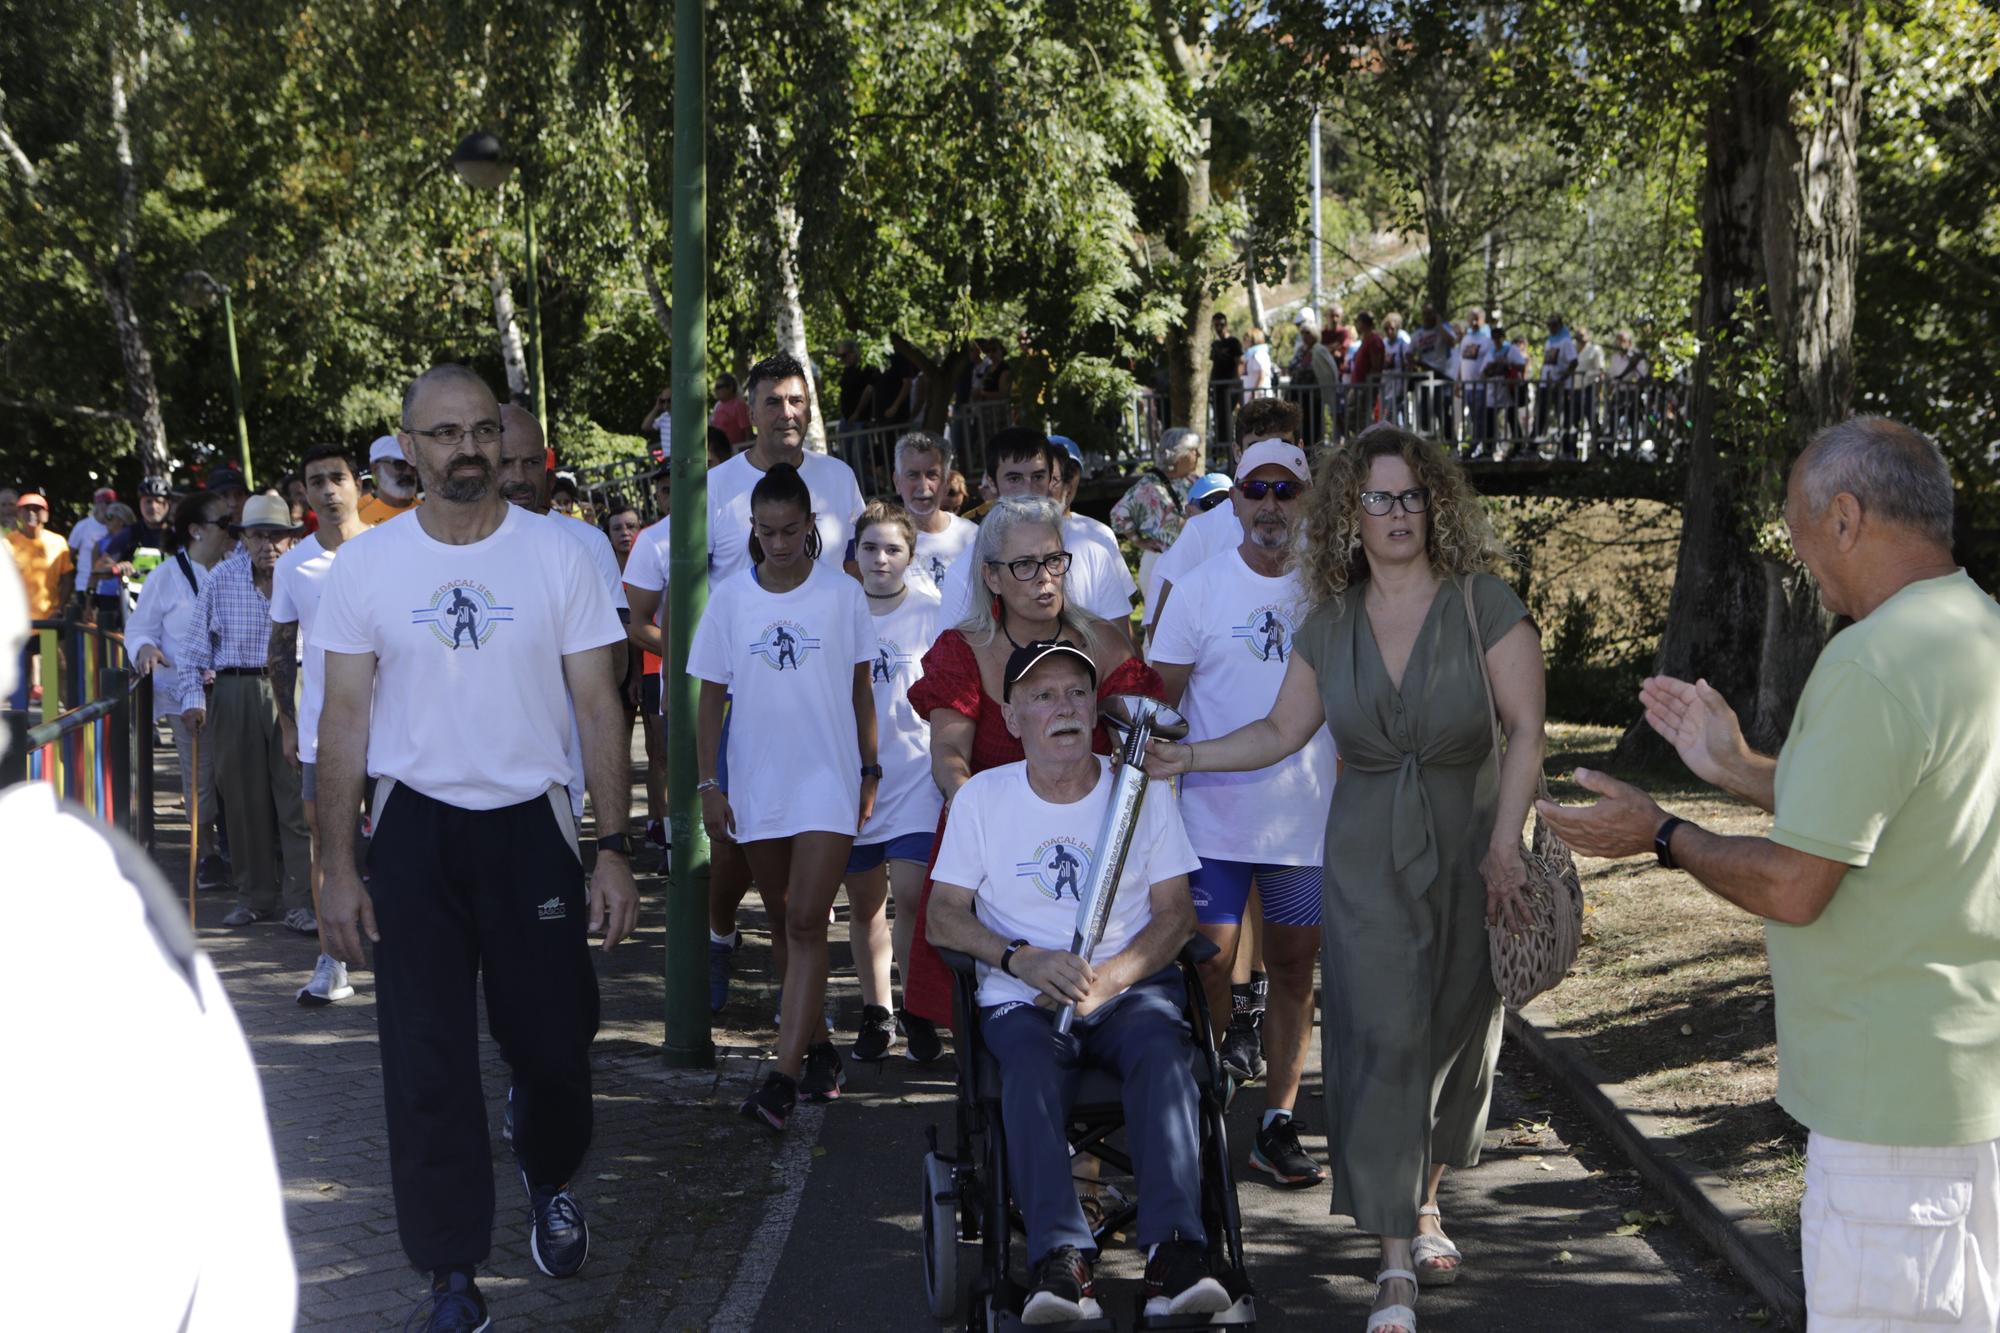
(999, 895)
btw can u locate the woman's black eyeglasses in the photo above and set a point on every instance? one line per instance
(1287, 490)
(1027, 569)
(1379, 503)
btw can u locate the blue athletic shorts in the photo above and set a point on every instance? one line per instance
(1221, 890)
(308, 782)
(909, 847)
(722, 750)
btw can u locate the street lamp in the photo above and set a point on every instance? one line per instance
(480, 162)
(200, 291)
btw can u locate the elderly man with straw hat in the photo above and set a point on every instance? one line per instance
(226, 647)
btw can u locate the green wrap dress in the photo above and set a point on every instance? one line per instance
(1410, 1020)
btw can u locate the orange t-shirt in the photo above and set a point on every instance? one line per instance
(46, 564)
(374, 509)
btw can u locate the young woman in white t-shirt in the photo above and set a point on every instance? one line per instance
(891, 852)
(790, 642)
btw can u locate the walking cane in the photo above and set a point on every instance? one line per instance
(194, 820)
(1134, 719)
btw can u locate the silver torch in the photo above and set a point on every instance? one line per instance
(1133, 720)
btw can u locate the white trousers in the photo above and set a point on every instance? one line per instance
(1901, 1240)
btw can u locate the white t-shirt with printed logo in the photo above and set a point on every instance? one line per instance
(471, 707)
(1475, 349)
(1027, 862)
(1235, 627)
(937, 552)
(788, 661)
(297, 584)
(836, 501)
(908, 800)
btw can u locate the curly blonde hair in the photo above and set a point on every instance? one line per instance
(1459, 536)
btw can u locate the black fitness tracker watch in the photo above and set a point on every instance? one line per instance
(1663, 842)
(614, 842)
(1007, 959)
(871, 771)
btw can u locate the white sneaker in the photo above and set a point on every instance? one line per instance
(329, 983)
(243, 916)
(301, 919)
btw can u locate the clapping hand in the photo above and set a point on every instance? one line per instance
(1698, 723)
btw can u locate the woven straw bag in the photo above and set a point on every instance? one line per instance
(1529, 962)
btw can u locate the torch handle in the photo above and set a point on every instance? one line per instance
(1121, 818)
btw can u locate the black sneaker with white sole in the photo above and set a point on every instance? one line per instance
(1178, 1281)
(1279, 1155)
(921, 1043)
(771, 1105)
(877, 1034)
(1242, 1048)
(453, 1306)
(558, 1237)
(824, 1075)
(1064, 1290)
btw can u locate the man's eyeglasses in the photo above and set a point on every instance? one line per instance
(450, 434)
(1379, 503)
(1286, 490)
(1027, 569)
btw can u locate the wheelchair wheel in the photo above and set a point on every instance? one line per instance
(940, 1214)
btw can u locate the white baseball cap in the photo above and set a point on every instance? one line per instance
(1267, 453)
(385, 446)
(1306, 315)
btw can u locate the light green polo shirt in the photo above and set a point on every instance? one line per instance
(1889, 1003)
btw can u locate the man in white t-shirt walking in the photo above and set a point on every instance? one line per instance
(333, 489)
(1475, 352)
(1017, 834)
(923, 465)
(1222, 648)
(1081, 530)
(461, 720)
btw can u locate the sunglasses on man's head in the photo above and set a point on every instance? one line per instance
(1287, 490)
(1208, 502)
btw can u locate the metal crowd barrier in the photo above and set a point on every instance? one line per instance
(94, 742)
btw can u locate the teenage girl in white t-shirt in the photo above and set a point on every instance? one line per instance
(891, 852)
(791, 642)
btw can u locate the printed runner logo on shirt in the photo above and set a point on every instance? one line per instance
(462, 614)
(1060, 867)
(937, 569)
(784, 643)
(888, 657)
(1268, 633)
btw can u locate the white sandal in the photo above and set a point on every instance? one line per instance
(1429, 1249)
(1393, 1316)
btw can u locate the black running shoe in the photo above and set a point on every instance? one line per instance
(771, 1105)
(921, 1042)
(1242, 1048)
(1278, 1154)
(558, 1237)
(877, 1034)
(454, 1306)
(212, 873)
(1178, 1281)
(1064, 1291)
(824, 1075)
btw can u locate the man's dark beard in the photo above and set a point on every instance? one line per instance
(520, 493)
(454, 489)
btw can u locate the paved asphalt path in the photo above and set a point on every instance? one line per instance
(1537, 1221)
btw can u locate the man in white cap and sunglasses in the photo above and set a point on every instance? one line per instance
(226, 647)
(395, 483)
(1222, 647)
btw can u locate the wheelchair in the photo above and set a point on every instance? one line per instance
(967, 1201)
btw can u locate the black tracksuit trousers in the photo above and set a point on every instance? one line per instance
(461, 894)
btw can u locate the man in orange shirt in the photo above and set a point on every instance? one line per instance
(395, 483)
(46, 564)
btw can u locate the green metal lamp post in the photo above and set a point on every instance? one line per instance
(480, 162)
(200, 290)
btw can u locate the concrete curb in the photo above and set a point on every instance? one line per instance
(1753, 1247)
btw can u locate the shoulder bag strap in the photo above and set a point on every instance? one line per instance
(1486, 679)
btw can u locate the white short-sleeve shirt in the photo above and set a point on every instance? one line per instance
(788, 661)
(836, 501)
(1203, 537)
(471, 707)
(297, 584)
(1027, 863)
(1235, 627)
(908, 800)
(596, 546)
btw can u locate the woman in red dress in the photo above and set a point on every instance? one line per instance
(1022, 562)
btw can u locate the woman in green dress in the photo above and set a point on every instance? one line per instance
(1423, 836)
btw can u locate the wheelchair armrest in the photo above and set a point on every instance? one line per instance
(965, 964)
(1198, 950)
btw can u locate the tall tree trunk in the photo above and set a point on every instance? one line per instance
(1187, 351)
(1442, 242)
(1250, 281)
(663, 314)
(1780, 218)
(142, 392)
(789, 314)
(513, 355)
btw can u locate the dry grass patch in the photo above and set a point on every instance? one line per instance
(1672, 996)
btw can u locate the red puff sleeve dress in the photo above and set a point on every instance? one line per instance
(951, 680)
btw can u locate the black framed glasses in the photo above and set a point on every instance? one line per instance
(1027, 569)
(1379, 503)
(451, 433)
(1286, 490)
